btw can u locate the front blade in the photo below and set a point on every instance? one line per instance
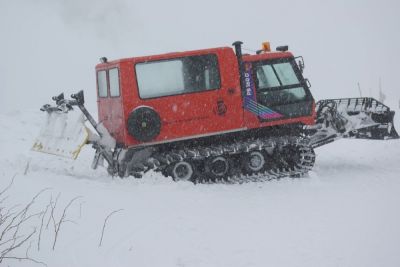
(63, 134)
(362, 118)
(369, 118)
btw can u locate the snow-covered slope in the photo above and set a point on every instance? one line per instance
(345, 213)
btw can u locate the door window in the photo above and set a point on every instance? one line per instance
(112, 75)
(114, 82)
(102, 83)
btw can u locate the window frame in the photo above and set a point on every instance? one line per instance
(177, 58)
(289, 60)
(302, 82)
(108, 91)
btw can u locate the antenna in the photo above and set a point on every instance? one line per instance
(382, 96)
(359, 89)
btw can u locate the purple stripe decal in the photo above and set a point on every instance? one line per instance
(250, 101)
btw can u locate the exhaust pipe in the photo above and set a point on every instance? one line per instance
(238, 51)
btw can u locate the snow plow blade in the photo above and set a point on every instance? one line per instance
(363, 118)
(62, 134)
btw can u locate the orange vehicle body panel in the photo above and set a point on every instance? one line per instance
(188, 115)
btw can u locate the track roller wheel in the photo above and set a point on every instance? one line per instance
(253, 161)
(217, 168)
(182, 171)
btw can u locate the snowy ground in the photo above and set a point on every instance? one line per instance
(346, 213)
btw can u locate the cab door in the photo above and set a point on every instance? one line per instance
(109, 101)
(275, 91)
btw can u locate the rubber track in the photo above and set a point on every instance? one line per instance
(305, 164)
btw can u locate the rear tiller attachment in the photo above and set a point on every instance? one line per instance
(65, 133)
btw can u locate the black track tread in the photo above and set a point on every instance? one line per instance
(307, 159)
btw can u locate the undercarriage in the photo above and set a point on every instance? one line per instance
(238, 162)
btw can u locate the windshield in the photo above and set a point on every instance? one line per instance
(278, 84)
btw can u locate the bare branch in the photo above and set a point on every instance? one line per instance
(21, 221)
(12, 221)
(10, 224)
(24, 258)
(33, 200)
(27, 249)
(15, 246)
(57, 226)
(9, 240)
(70, 221)
(80, 208)
(7, 214)
(27, 167)
(3, 199)
(9, 185)
(41, 226)
(105, 222)
(53, 207)
(20, 217)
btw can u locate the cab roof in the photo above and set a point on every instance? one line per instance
(163, 56)
(267, 55)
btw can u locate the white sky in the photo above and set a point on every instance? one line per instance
(49, 46)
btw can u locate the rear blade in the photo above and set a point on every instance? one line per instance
(63, 134)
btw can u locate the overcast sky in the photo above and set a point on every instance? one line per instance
(49, 46)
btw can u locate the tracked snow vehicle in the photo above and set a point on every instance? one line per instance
(209, 115)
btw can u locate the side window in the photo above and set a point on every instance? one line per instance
(160, 78)
(114, 82)
(178, 76)
(102, 83)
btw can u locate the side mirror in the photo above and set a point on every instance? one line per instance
(300, 63)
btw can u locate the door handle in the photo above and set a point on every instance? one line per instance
(221, 107)
(231, 91)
